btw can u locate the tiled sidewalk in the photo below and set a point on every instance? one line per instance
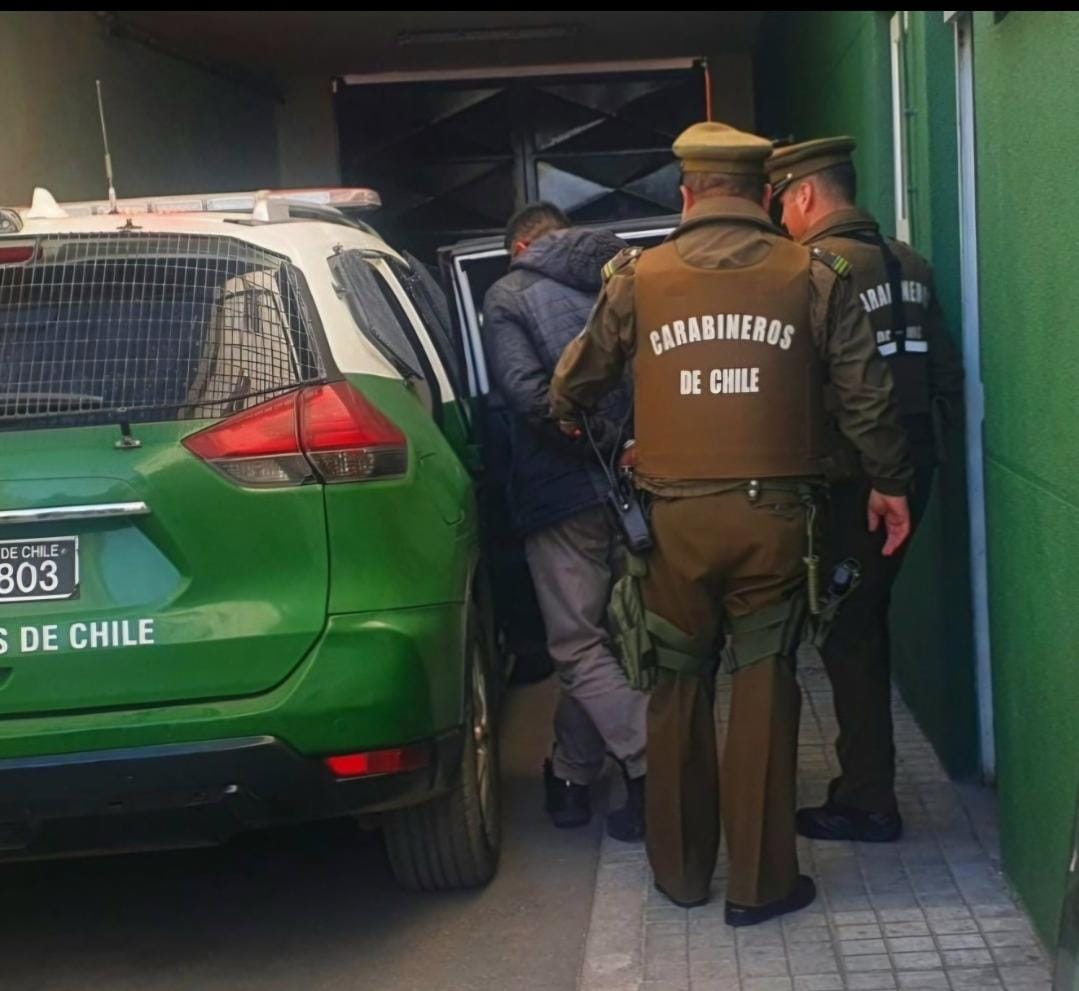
(931, 912)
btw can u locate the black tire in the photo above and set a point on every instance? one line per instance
(454, 841)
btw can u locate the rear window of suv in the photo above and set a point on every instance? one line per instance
(129, 326)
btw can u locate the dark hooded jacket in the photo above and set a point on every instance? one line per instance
(529, 316)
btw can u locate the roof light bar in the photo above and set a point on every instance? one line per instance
(45, 207)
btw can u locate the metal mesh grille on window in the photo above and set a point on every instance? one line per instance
(130, 326)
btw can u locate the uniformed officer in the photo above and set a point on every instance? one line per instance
(815, 183)
(730, 329)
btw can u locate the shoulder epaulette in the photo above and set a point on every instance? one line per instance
(837, 263)
(624, 258)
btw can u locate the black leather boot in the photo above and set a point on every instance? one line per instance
(567, 804)
(627, 823)
(841, 822)
(751, 915)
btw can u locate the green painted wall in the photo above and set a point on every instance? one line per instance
(1026, 98)
(823, 73)
(833, 76)
(934, 655)
(828, 72)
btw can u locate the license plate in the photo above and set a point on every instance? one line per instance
(39, 569)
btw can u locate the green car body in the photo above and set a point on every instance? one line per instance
(228, 642)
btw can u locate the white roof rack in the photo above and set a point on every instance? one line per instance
(45, 207)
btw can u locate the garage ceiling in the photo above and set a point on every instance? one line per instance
(334, 43)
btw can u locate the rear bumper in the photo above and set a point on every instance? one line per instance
(190, 794)
(371, 680)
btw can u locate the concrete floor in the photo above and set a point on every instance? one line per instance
(313, 908)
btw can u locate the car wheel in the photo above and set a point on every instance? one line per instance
(453, 841)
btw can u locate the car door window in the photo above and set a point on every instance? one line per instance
(412, 327)
(431, 304)
(380, 319)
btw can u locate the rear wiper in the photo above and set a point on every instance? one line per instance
(27, 403)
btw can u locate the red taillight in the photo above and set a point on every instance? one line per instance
(260, 446)
(394, 761)
(346, 438)
(267, 429)
(326, 432)
(16, 254)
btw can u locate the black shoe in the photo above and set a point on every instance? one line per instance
(751, 915)
(627, 823)
(567, 804)
(840, 822)
(681, 904)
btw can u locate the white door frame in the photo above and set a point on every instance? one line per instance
(962, 23)
(897, 33)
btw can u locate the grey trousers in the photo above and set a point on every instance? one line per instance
(574, 564)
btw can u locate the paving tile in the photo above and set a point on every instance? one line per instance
(898, 930)
(818, 982)
(845, 933)
(861, 964)
(876, 981)
(1018, 956)
(964, 941)
(929, 980)
(967, 958)
(975, 978)
(954, 927)
(917, 961)
(812, 958)
(857, 947)
(767, 984)
(911, 944)
(865, 918)
(930, 913)
(1023, 975)
(1016, 938)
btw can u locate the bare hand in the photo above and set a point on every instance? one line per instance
(628, 459)
(571, 428)
(894, 512)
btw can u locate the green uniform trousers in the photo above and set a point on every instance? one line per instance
(857, 653)
(717, 559)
